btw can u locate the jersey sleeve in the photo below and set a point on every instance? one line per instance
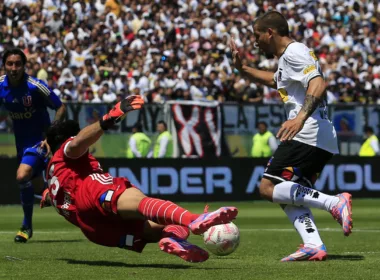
(51, 99)
(302, 65)
(275, 77)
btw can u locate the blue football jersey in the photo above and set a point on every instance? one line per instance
(27, 106)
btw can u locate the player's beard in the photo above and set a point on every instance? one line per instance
(266, 54)
(15, 77)
(269, 55)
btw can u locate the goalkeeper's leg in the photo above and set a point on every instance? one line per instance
(172, 240)
(133, 204)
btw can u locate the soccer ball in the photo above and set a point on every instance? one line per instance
(222, 240)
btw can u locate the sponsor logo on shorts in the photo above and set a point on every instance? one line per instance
(105, 200)
(287, 173)
(291, 174)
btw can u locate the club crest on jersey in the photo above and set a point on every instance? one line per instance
(27, 101)
(105, 200)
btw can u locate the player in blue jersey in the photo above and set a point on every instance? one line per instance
(27, 99)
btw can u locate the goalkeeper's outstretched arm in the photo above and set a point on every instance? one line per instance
(90, 134)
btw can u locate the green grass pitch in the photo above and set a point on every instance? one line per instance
(60, 251)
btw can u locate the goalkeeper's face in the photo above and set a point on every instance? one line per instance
(14, 68)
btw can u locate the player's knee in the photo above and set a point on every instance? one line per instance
(24, 173)
(128, 203)
(266, 189)
(263, 191)
(23, 176)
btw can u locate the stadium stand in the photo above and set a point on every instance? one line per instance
(102, 50)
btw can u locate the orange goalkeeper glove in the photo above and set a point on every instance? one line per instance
(45, 200)
(120, 110)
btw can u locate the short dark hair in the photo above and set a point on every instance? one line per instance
(138, 127)
(368, 129)
(274, 20)
(14, 51)
(163, 123)
(264, 123)
(60, 131)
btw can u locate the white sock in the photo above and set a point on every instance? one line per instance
(303, 221)
(292, 193)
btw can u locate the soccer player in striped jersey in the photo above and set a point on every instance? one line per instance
(27, 99)
(110, 211)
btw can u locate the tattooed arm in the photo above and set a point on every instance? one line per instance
(314, 96)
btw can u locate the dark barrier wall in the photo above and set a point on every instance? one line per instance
(9, 189)
(230, 179)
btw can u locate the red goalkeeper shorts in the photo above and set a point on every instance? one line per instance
(96, 203)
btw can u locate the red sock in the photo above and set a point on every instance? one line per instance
(177, 231)
(165, 212)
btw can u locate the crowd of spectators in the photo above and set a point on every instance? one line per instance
(102, 50)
